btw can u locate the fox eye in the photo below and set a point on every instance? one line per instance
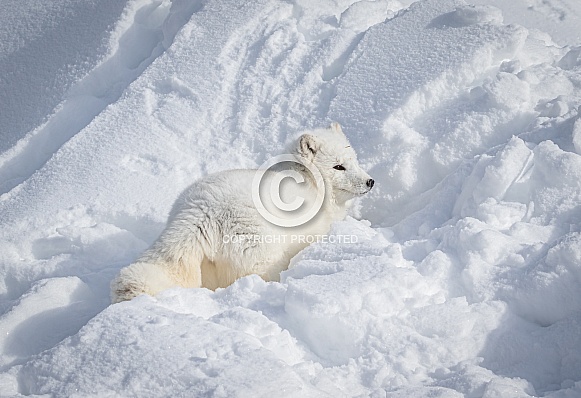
(339, 167)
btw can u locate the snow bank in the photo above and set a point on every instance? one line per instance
(464, 282)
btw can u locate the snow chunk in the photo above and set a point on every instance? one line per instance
(576, 135)
(473, 14)
(363, 14)
(467, 15)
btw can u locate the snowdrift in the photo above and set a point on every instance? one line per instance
(465, 273)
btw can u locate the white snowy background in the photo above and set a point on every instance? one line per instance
(466, 276)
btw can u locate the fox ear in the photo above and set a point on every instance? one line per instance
(308, 146)
(336, 127)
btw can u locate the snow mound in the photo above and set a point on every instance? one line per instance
(462, 277)
(473, 14)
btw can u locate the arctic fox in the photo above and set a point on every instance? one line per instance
(239, 222)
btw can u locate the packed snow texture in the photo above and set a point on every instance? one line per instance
(462, 274)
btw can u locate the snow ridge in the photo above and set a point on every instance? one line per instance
(142, 34)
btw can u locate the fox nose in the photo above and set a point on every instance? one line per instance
(370, 183)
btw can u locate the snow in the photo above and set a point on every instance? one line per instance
(462, 271)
